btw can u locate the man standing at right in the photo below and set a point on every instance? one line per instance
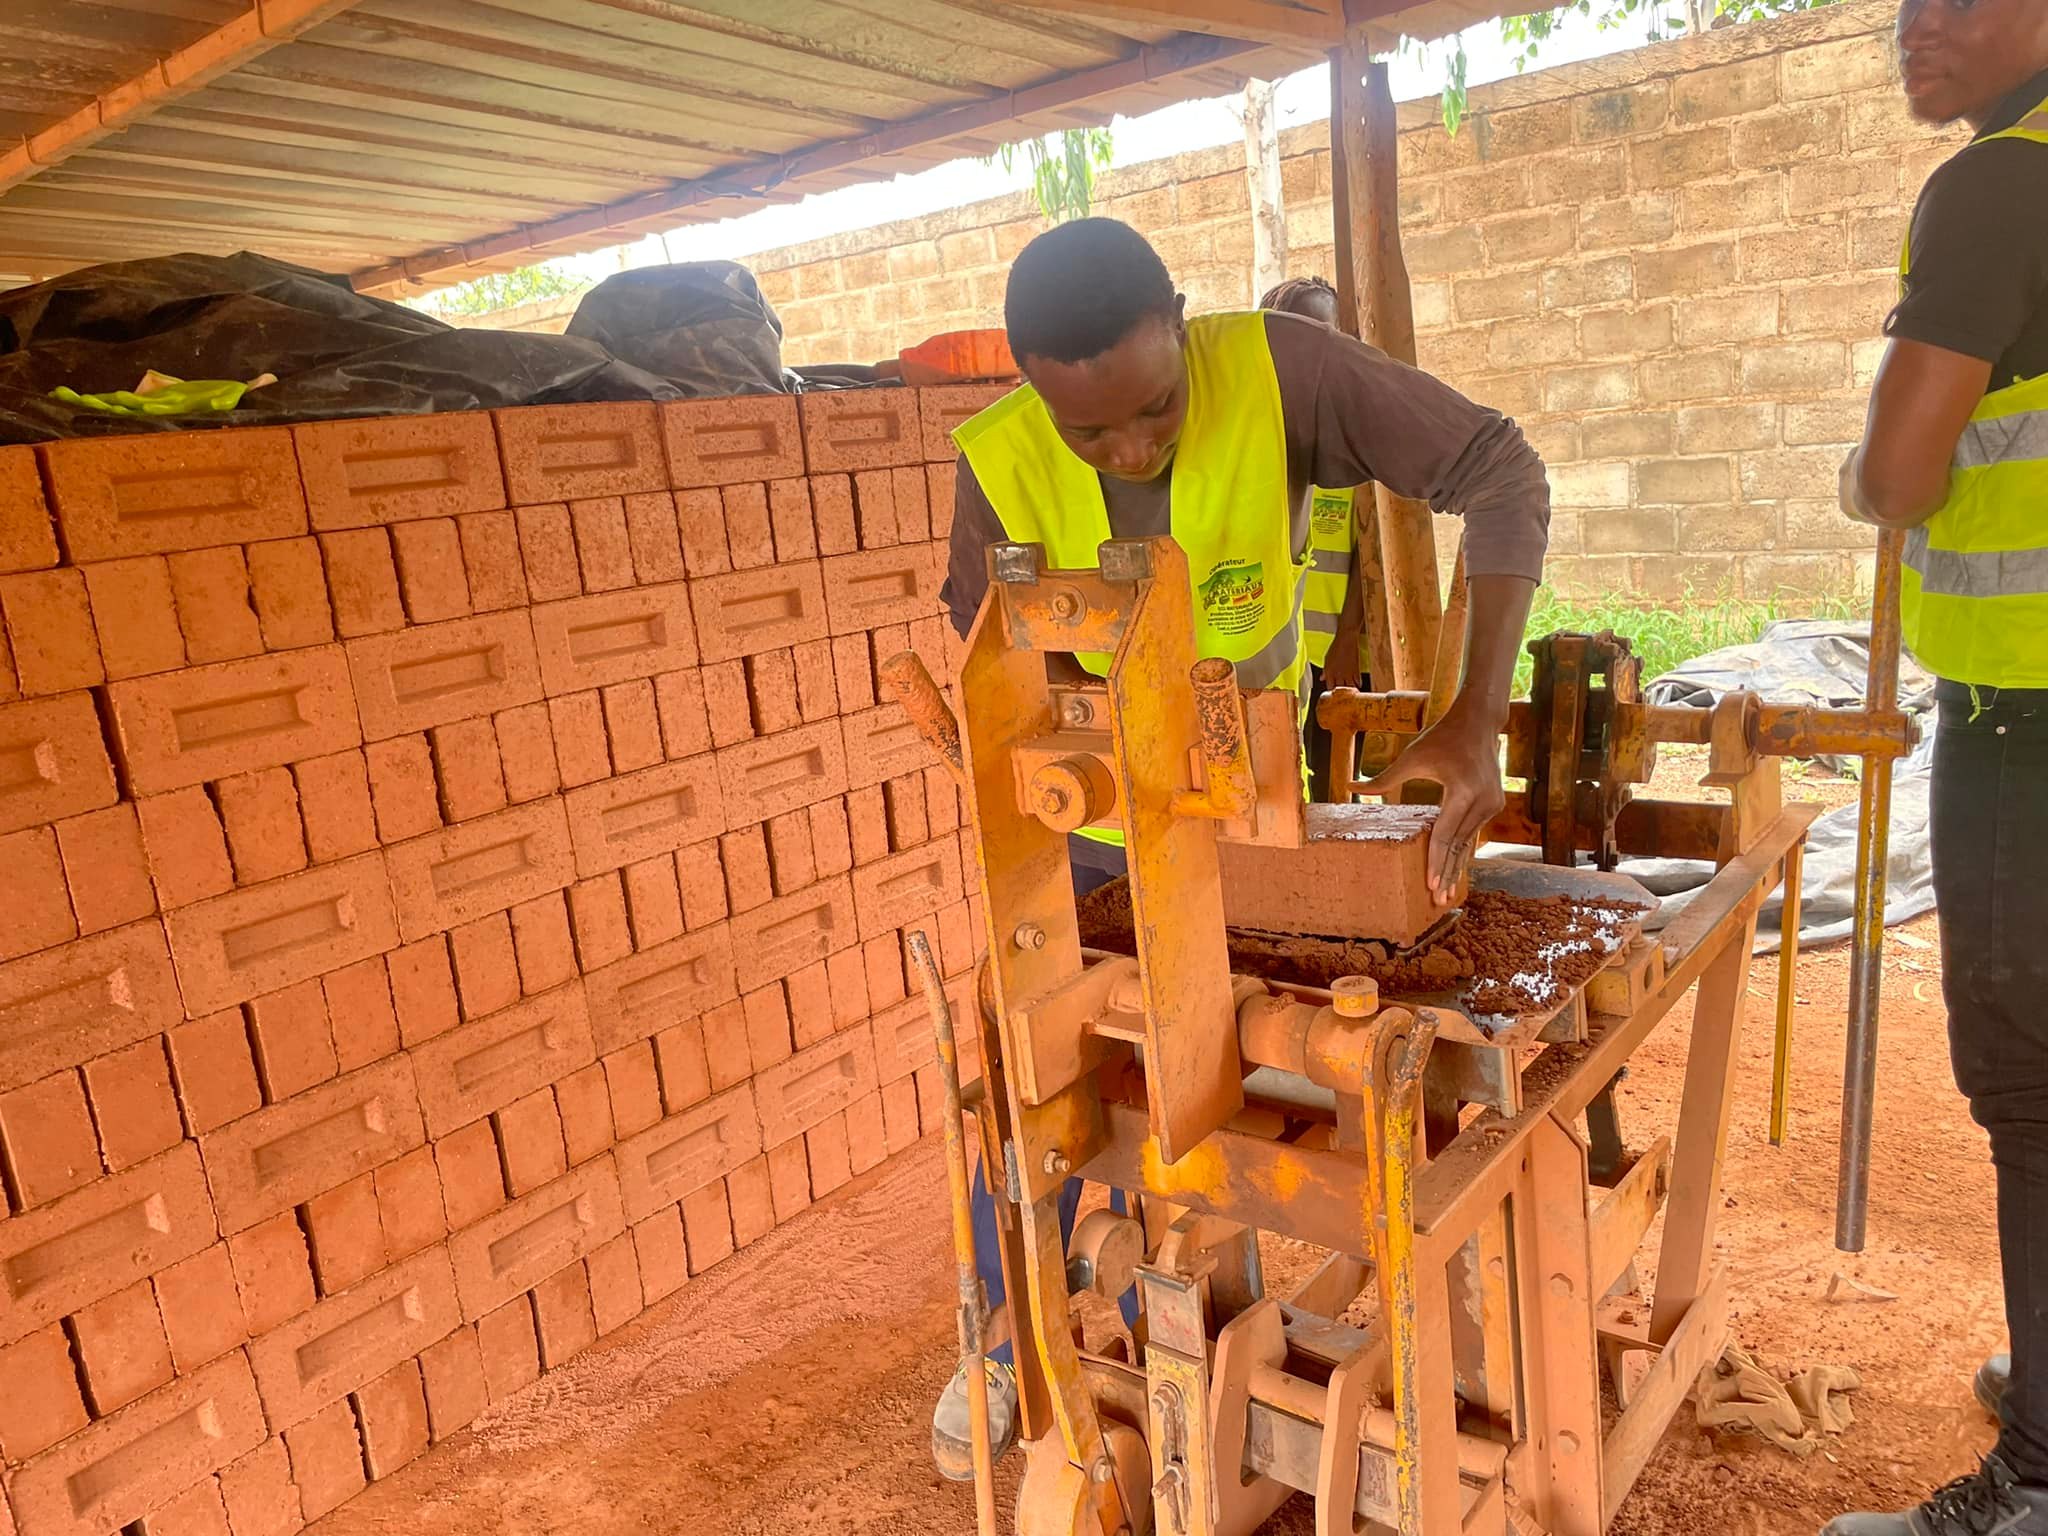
(1955, 452)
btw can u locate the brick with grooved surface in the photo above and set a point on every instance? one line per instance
(201, 1308)
(216, 1069)
(547, 545)
(472, 1177)
(775, 774)
(793, 931)
(632, 725)
(46, 1131)
(707, 1226)
(49, 625)
(749, 536)
(393, 1413)
(406, 798)
(655, 539)
(509, 1347)
(422, 989)
(33, 892)
(334, 804)
(542, 942)
(882, 744)
(234, 717)
(613, 637)
(563, 452)
(530, 1141)
(905, 887)
(121, 1468)
(396, 468)
(789, 1178)
(881, 587)
(453, 1373)
(490, 558)
(623, 820)
(122, 1352)
(289, 583)
(106, 868)
(526, 753)
(941, 408)
(273, 1271)
(513, 1249)
(796, 1094)
(581, 748)
(132, 1103)
(725, 441)
(654, 907)
(486, 967)
(860, 429)
(487, 1064)
(482, 866)
(437, 673)
(409, 1206)
(604, 552)
(615, 1298)
(260, 814)
(42, 1403)
(743, 612)
(561, 1311)
(362, 582)
(259, 1493)
(235, 947)
(26, 539)
(677, 1156)
(466, 766)
(430, 574)
(327, 1459)
(122, 496)
(136, 617)
(345, 1232)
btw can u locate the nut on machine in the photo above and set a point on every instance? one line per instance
(1441, 1371)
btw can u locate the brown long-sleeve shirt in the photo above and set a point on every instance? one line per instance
(1352, 415)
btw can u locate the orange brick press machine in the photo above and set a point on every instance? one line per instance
(1473, 1349)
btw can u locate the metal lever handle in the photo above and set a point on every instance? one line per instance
(906, 676)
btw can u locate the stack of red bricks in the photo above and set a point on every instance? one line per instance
(456, 873)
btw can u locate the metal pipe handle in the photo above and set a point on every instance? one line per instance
(906, 676)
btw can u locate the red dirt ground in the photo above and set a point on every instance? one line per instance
(788, 1390)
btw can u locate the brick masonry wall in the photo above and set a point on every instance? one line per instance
(1669, 265)
(457, 873)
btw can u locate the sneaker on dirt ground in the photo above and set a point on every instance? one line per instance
(1993, 1377)
(952, 1444)
(1986, 1503)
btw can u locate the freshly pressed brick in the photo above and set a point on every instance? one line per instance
(215, 1068)
(351, 1339)
(632, 726)
(121, 496)
(345, 1234)
(238, 946)
(482, 866)
(597, 915)
(656, 541)
(403, 789)
(564, 452)
(771, 684)
(362, 581)
(749, 536)
(729, 710)
(856, 429)
(654, 906)
(395, 468)
(335, 806)
(604, 552)
(530, 1142)
(46, 1131)
(106, 868)
(74, 1003)
(547, 545)
(26, 539)
(422, 989)
(543, 943)
(765, 609)
(490, 559)
(611, 637)
(639, 815)
(633, 998)
(50, 628)
(726, 441)
(216, 610)
(34, 894)
(233, 717)
(789, 512)
(526, 753)
(122, 1351)
(467, 769)
(260, 813)
(289, 584)
(463, 669)
(488, 1064)
(430, 574)
(486, 969)
(678, 1156)
(700, 518)
(132, 1103)
(136, 617)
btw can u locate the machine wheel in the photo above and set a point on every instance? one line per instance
(1052, 1500)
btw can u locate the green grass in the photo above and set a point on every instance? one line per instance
(1666, 636)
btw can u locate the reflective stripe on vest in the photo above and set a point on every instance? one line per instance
(1228, 501)
(1329, 575)
(1973, 597)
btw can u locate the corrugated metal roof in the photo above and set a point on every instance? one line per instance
(406, 140)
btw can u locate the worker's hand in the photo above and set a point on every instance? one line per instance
(1461, 752)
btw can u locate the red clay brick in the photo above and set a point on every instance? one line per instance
(941, 482)
(700, 519)
(867, 815)
(882, 744)
(884, 957)
(403, 789)
(120, 1469)
(542, 942)
(613, 637)
(679, 704)
(482, 866)
(289, 584)
(679, 1156)
(768, 1027)
(334, 804)
(149, 495)
(866, 1141)
(718, 442)
(562, 452)
(750, 1193)
(409, 1206)
(793, 931)
(235, 947)
(908, 824)
(830, 1157)
(514, 1249)
(486, 1065)
(817, 692)
(853, 673)
(42, 1403)
(261, 1498)
(234, 717)
(327, 1459)
(790, 859)
(345, 1233)
(726, 1054)
(581, 747)
(349, 1340)
(847, 974)
(136, 617)
(260, 814)
(810, 1005)
(632, 726)
(943, 407)
(510, 1349)
(33, 892)
(652, 533)
(106, 868)
(393, 1413)
(583, 1100)
(749, 535)
(654, 907)
(884, 643)
(604, 552)
(701, 879)
(216, 1069)
(395, 468)
(547, 545)
(664, 1260)
(831, 838)
(284, 1155)
(47, 1134)
(707, 1227)
(635, 1088)
(490, 560)
(798, 1093)
(913, 519)
(422, 989)
(49, 625)
(789, 1178)
(781, 773)
(526, 753)
(614, 1271)
(728, 709)
(625, 820)
(942, 801)
(452, 1371)
(486, 968)
(789, 514)
(684, 1069)
(874, 507)
(362, 582)
(561, 1310)
(132, 1103)
(428, 676)
(293, 1041)
(467, 769)
(530, 1142)
(597, 916)
(853, 429)
(832, 511)
(472, 1176)
(430, 574)
(273, 1271)
(749, 611)
(880, 587)
(187, 851)
(26, 541)
(201, 1308)
(748, 883)
(899, 1114)
(771, 684)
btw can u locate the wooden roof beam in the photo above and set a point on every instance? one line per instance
(1314, 23)
(262, 27)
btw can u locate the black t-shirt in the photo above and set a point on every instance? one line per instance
(1978, 279)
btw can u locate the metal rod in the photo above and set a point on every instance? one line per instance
(1788, 969)
(906, 676)
(1866, 962)
(963, 1236)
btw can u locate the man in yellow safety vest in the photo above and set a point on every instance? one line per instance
(1137, 421)
(1955, 451)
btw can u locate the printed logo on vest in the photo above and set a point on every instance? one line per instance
(1330, 516)
(1233, 596)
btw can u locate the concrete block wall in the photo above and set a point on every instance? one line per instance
(457, 873)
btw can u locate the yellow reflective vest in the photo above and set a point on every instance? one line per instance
(1228, 498)
(1331, 532)
(1974, 592)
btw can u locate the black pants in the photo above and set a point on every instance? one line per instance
(1990, 835)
